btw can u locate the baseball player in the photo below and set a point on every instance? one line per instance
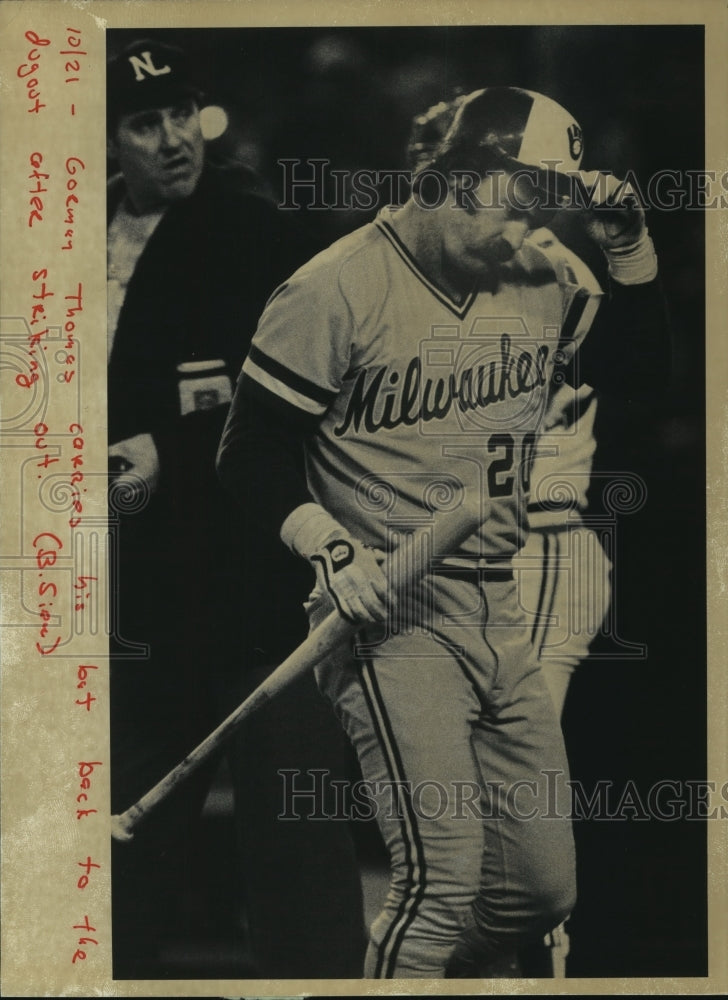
(562, 570)
(416, 368)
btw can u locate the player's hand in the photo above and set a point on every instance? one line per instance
(135, 463)
(350, 572)
(617, 223)
(616, 219)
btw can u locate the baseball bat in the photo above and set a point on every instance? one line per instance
(408, 562)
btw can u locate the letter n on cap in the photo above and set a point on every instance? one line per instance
(144, 65)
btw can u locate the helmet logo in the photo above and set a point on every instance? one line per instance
(575, 141)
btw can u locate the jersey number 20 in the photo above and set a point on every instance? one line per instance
(501, 478)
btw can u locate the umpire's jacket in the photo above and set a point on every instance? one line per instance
(196, 294)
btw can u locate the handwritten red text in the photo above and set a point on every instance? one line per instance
(83, 675)
(27, 71)
(35, 201)
(73, 42)
(73, 165)
(37, 318)
(85, 770)
(47, 546)
(76, 475)
(79, 955)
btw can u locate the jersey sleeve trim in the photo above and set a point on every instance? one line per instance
(574, 314)
(287, 384)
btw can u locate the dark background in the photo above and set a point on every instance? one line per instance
(349, 95)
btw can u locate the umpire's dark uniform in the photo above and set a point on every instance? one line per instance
(215, 604)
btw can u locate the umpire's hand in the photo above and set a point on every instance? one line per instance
(137, 462)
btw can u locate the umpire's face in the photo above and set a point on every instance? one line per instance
(161, 153)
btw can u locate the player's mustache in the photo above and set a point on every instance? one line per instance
(501, 250)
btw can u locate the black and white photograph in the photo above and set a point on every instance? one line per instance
(404, 610)
(317, 208)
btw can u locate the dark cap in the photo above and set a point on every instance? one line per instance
(147, 74)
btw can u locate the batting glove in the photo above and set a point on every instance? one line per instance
(349, 571)
(617, 224)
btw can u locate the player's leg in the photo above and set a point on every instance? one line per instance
(408, 706)
(543, 595)
(528, 874)
(564, 589)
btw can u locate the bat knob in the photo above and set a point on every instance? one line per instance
(120, 831)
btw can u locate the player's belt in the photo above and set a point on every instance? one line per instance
(554, 516)
(475, 570)
(554, 505)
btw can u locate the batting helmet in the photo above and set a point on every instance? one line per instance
(502, 128)
(428, 131)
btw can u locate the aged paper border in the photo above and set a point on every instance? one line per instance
(45, 732)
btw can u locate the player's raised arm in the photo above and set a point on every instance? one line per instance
(627, 351)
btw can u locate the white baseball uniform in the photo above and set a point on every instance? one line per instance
(563, 570)
(423, 402)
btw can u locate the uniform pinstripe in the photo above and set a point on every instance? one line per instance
(424, 401)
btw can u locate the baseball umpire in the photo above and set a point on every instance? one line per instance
(414, 359)
(203, 611)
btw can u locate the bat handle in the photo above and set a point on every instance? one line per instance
(122, 826)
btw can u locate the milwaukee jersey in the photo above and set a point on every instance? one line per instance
(565, 450)
(423, 401)
(563, 458)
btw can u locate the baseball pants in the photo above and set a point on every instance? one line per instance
(459, 742)
(563, 577)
